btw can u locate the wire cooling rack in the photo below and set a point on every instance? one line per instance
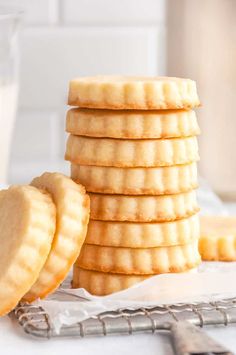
(35, 321)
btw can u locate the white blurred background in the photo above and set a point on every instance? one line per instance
(62, 39)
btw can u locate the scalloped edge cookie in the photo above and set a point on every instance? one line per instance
(72, 206)
(131, 153)
(125, 92)
(27, 224)
(136, 181)
(141, 261)
(218, 238)
(132, 124)
(143, 208)
(101, 283)
(143, 235)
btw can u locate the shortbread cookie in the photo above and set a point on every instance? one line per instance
(132, 124)
(131, 153)
(143, 235)
(72, 218)
(139, 261)
(101, 283)
(120, 92)
(218, 238)
(136, 181)
(143, 208)
(27, 225)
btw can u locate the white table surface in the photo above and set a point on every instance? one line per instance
(14, 341)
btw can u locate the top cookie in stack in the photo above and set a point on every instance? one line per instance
(133, 146)
(136, 93)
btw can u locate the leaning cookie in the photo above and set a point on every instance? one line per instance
(72, 206)
(145, 93)
(27, 225)
(142, 261)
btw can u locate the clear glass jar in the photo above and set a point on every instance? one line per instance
(9, 62)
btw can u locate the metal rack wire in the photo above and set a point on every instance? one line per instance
(35, 321)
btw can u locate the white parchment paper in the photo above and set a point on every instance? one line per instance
(211, 281)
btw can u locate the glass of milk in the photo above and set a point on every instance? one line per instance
(9, 58)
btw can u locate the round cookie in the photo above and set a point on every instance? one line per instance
(126, 92)
(27, 224)
(143, 208)
(132, 124)
(102, 283)
(72, 206)
(131, 153)
(143, 235)
(141, 261)
(218, 238)
(136, 181)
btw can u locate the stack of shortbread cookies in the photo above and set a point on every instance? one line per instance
(133, 146)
